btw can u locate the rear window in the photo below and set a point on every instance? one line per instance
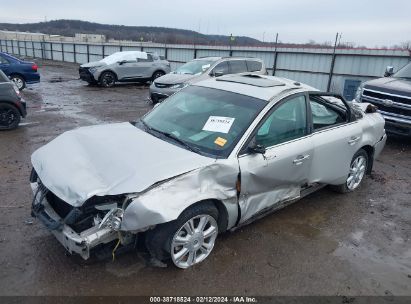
(254, 66)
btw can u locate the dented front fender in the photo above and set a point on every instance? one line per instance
(168, 200)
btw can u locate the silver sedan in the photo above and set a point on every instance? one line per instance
(213, 157)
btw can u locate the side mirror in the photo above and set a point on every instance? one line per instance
(122, 62)
(389, 70)
(255, 148)
(218, 73)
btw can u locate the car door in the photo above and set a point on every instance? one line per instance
(271, 178)
(126, 69)
(4, 65)
(336, 136)
(146, 67)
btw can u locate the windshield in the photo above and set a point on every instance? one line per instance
(405, 72)
(207, 121)
(195, 67)
(128, 56)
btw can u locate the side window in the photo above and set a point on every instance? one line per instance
(155, 57)
(327, 111)
(221, 68)
(287, 122)
(149, 59)
(254, 66)
(237, 66)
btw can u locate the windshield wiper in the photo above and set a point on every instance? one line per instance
(146, 126)
(175, 138)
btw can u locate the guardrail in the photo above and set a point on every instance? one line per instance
(337, 70)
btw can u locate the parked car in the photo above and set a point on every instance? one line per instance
(392, 95)
(211, 158)
(12, 105)
(21, 72)
(201, 69)
(131, 66)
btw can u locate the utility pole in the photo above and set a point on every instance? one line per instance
(330, 75)
(275, 54)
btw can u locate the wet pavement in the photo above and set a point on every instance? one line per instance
(325, 244)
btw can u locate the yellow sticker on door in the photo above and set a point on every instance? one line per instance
(220, 141)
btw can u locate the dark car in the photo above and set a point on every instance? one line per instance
(12, 106)
(392, 95)
(19, 71)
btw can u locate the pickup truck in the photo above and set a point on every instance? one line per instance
(392, 96)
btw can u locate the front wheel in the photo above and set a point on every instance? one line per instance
(18, 81)
(9, 117)
(107, 79)
(358, 168)
(188, 240)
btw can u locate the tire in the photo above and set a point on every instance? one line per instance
(172, 240)
(18, 81)
(358, 169)
(9, 117)
(157, 74)
(154, 99)
(108, 79)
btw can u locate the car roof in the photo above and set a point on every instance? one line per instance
(259, 86)
(213, 58)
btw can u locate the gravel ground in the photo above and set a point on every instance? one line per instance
(325, 244)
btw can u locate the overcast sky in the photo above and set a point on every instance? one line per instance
(364, 22)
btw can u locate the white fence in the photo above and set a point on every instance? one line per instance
(339, 71)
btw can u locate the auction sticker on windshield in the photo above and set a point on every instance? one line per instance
(218, 124)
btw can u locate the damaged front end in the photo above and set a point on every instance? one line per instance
(80, 229)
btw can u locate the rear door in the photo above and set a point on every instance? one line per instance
(146, 67)
(336, 136)
(277, 175)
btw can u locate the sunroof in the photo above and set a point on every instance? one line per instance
(252, 79)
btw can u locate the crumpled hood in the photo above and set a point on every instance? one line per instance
(175, 78)
(93, 64)
(390, 85)
(109, 160)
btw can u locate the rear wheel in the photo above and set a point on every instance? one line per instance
(9, 117)
(108, 79)
(188, 240)
(358, 168)
(157, 74)
(18, 81)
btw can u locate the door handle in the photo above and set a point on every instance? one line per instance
(353, 140)
(299, 160)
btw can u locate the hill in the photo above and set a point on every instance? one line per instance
(122, 32)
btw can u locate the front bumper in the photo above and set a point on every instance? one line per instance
(398, 126)
(86, 75)
(159, 94)
(80, 243)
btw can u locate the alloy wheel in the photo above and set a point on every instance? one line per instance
(19, 82)
(194, 241)
(7, 118)
(357, 172)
